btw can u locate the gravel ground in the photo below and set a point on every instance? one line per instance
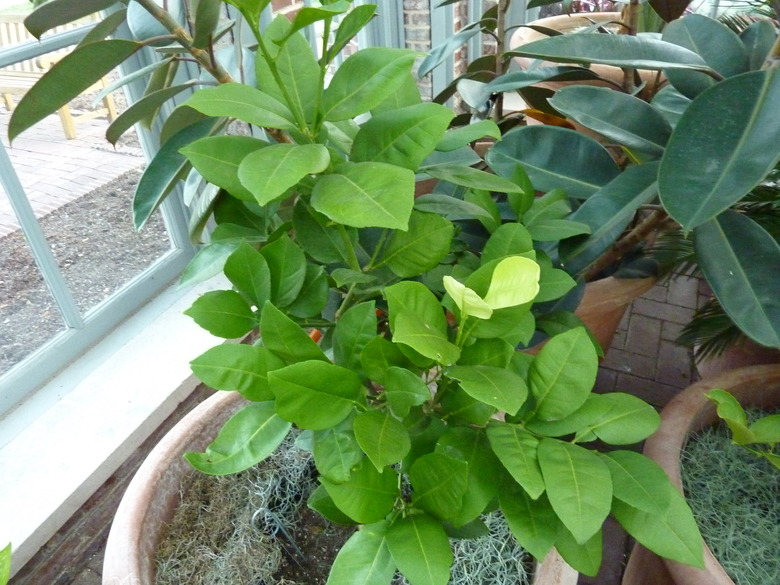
(97, 249)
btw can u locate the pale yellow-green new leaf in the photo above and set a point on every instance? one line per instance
(515, 281)
(469, 302)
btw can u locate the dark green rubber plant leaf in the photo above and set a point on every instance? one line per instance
(758, 39)
(709, 166)
(741, 262)
(57, 12)
(67, 79)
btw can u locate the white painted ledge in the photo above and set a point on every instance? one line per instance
(62, 445)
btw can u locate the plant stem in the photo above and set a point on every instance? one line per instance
(631, 15)
(503, 8)
(625, 244)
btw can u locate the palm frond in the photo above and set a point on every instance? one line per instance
(710, 332)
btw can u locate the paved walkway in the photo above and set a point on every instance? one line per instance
(54, 170)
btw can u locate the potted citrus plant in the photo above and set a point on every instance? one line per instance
(382, 331)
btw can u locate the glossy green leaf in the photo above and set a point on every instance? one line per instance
(58, 12)
(732, 413)
(563, 374)
(364, 559)
(460, 137)
(450, 207)
(207, 13)
(404, 389)
(627, 421)
(383, 438)
(473, 447)
(236, 100)
(321, 502)
(378, 356)
(403, 137)
(739, 260)
(238, 367)
(353, 331)
(319, 238)
(366, 194)
(420, 549)
(336, 452)
(673, 535)
(508, 240)
(758, 39)
(438, 484)
(368, 496)
(223, 313)
(414, 297)
(638, 481)
(532, 522)
(248, 271)
(313, 295)
(516, 448)
(349, 26)
(164, 171)
(268, 173)
(458, 408)
(5, 564)
(285, 338)
(617, 116)
(420, 248)
(208, 262)
(315, 394)
(67, 79)
(250, 8)
(217, 158)
(671, 103)
(472, 178)
(104, 28)
(584, 557)
(555, 158)
(579, 486)
(515, 281)
(364, 80)
(483, 199)
(407, 94)
(142, 109)
(607, 213)
(248, 437)
(287, 265)
(422, 337)
(732, 156)
(441, 52)
(495, 386)
(554, 283)
(635, 52)
(487, 352)
(767, 430)
(716, 43)
(577, 422)
(515, 80)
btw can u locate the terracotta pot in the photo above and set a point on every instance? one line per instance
(687, 413)
(152, 496)
(741, 354)
(567, 23)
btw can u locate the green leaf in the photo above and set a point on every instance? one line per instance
(460, 137)
(732, 156)
(364, 80)
(617, 116)
(378, 356)
(368, 496)
(732, 413)
(349, 26)
(532, 522)
(414, 297)
(673, 535)
(208, 262)
(285, 338)
(579, 486)
(104, 28)
(308, 15)
(450, 207)
(366, 194)
(247, 270)
(635, 52)
(441, 52)
(298, 72)
(315, 394)
(577, 422)
(321, 502)
(364, 559)
(515, 281)
(248, 437)
(66, 80)
(353, 331)
(404, 389)
(509, 239)
(583, 557)
(236, 100)
(627, 421)
(607, 213)
(472, 446)
(438, 484)
(457, 407)
(671, 103)
(420, 549)
(143, 109)
(758, 39)
(471, 177)
(207, 13)
(383, 438)
(165, 170)
(318, 237)
(58, 12)
(402, 137)
(515, 80)
(421, 247)
(638, 481)
(516, 448)
(336, 452)
(422, 337)
(217, 158)
(734, 253)
(5, 564)
(250, 8)
(223, 313)
(563, 374)
(268, 173)
(239, 367)
(495, 386)
(287, 265)
(554, 283)
(569, 160)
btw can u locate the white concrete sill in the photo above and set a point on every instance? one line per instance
(62, 445)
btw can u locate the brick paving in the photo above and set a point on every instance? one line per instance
(54, 170)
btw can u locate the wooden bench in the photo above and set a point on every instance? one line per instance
(18, 78)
